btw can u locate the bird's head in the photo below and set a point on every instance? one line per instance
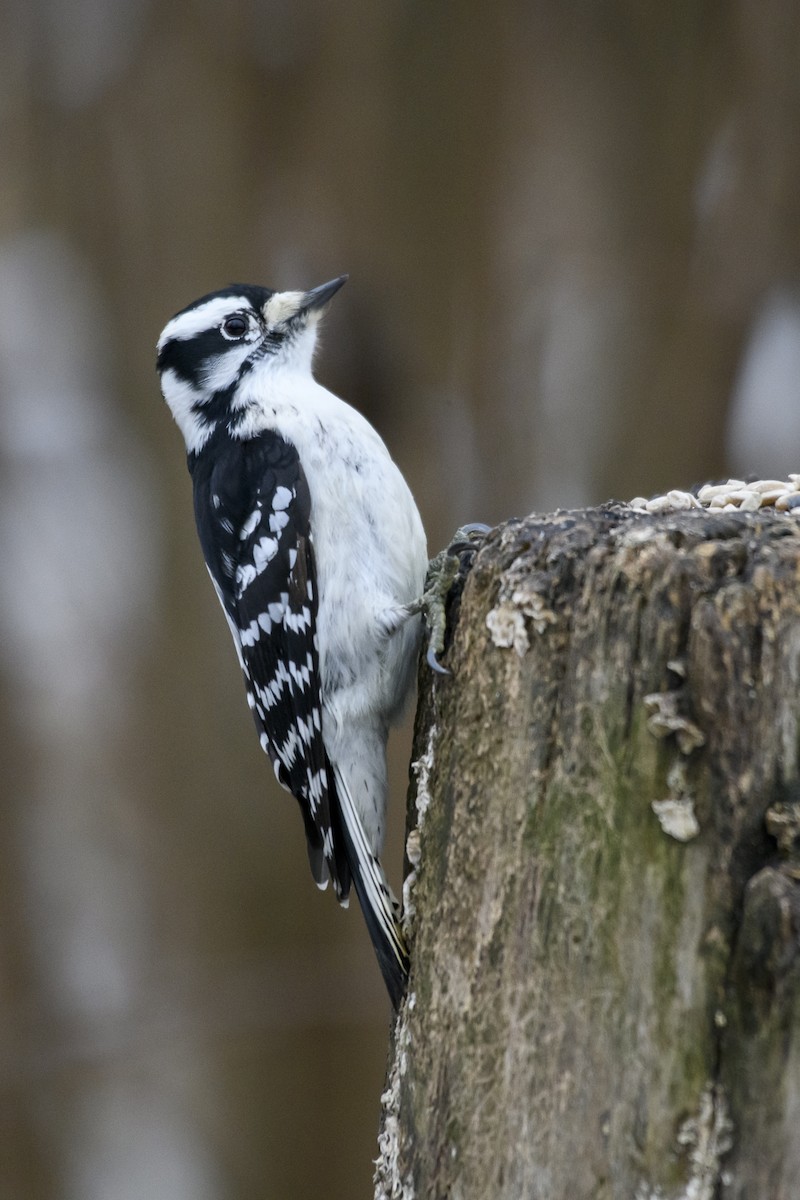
(207, 350)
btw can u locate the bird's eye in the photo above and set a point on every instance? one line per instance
(234, 328)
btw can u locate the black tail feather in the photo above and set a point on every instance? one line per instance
(380, 909)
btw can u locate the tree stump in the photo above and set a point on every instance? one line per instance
(604, 997)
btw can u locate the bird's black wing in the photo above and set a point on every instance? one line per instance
(252, 507)
(253, 511)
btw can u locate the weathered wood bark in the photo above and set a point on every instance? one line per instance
(605, 992)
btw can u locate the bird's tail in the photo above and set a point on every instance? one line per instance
(378, 903)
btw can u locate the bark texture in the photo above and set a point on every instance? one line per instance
(605, 990)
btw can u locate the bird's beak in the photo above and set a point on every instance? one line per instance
(284, 307)
(318, 297)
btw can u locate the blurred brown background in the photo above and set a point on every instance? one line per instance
(572, 231)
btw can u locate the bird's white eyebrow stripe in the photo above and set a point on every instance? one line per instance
(197, 320)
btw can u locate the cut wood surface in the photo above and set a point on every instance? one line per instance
(605, 911)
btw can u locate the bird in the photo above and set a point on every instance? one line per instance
(317, 553)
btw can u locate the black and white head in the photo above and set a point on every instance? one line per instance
(209, 351)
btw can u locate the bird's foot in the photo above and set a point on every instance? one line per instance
(443, 570)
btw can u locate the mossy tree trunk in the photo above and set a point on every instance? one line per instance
(605, 991)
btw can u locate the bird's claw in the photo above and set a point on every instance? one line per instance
(442, 573)
(433, 661)
(474, 527)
